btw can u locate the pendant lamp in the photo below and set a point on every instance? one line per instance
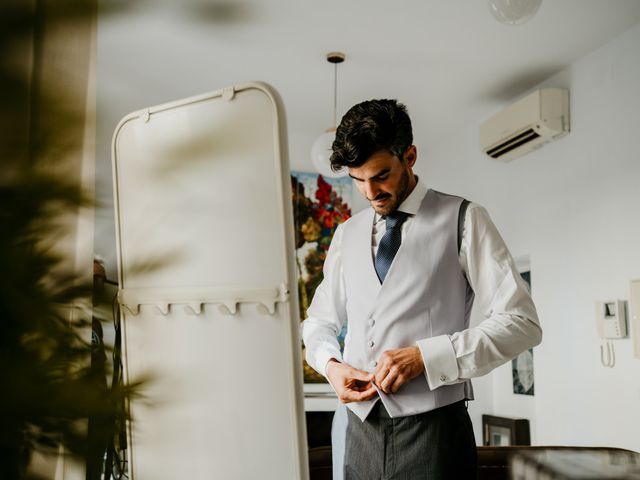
(321, 148)
(514, 12)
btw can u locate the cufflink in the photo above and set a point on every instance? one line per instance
(443, 378)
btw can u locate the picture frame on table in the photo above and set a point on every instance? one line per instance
(504, 431)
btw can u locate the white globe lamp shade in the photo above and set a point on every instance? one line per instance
(514, 12)
(321, 153)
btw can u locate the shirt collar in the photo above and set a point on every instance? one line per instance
(412, 203)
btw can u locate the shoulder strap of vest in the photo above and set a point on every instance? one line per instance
(461, 215)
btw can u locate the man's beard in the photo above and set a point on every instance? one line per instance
(400, 195)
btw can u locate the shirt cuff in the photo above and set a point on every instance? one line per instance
(439, 357)
(323, 360)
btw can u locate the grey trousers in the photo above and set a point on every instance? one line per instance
(433, 445)
(338, 440)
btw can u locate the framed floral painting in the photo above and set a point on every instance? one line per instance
(319, 205)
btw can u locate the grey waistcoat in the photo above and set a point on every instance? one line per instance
(425, 294)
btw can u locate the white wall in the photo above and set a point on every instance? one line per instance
(574, 208)
(547, 205)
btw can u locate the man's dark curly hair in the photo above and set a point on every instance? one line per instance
(369, 127)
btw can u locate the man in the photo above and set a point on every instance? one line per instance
(404, 275)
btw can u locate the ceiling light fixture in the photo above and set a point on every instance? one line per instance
(514, 12)
(321, 149)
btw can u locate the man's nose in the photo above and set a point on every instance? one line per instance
(370, 190)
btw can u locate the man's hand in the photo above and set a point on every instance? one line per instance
(397, 367)
(351, 384)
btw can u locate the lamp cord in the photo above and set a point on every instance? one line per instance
(335, 94)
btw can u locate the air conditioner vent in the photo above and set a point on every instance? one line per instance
(515, 142)
(538, 118)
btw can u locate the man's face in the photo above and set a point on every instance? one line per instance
(385, 180)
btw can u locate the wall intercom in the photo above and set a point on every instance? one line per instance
(611, 319)
(611, 323)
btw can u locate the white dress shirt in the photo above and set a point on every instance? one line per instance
(493, 276)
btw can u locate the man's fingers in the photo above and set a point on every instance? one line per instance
(380, 375)
(360, 396)
(395, 386)
(396, 367)
(358, 392)
(360, 375)
(351, 384)
(388, 381)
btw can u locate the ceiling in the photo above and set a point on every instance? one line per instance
(451, 62)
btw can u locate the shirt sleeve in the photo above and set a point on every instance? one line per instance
(510, 324)
(327, 311)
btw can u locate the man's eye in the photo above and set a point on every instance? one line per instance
(383, 178)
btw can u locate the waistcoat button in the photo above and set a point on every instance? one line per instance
(371, 343)
(372, 322)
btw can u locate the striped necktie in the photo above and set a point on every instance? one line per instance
(390, 243)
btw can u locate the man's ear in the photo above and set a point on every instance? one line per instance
(411, 155)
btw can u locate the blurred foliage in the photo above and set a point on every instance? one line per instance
(48, 387)
(45, 349)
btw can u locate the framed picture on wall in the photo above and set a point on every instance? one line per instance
(503, 431)
(522, 365)
(319, 205)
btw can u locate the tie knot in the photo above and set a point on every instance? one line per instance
(395, 219)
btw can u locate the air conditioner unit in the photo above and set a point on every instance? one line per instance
(529, 123)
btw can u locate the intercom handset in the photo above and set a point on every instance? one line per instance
(611, 323)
